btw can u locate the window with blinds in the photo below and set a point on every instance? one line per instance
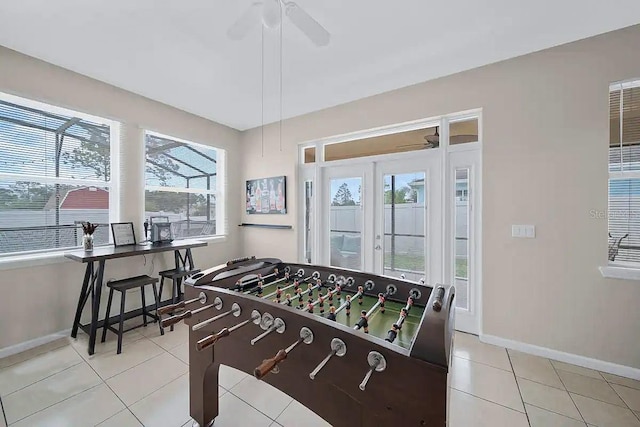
(624, 172)
(55, 173)
(182, 185)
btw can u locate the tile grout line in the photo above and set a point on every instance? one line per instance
(568, 392)
(44, 378)
(487, 400)
(3, 414)
(36, 354)
(230, 391)
(285, 408)
(155, 391)
(484, 364)
(107, 385)
(54, 404)
(623, 401)
(513, 371)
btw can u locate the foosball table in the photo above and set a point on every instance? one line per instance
(356, 348)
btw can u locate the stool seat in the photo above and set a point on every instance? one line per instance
(176, 273)
(132, 282)
(122, 286)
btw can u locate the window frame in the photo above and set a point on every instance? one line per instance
(619, 175)
(10, 259)
(218, 192)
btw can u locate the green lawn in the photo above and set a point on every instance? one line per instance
(416, 263)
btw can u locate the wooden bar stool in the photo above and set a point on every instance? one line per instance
(122, 286)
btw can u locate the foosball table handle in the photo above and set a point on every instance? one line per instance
(268, 365)
(437, 303)
(169, 321)
(173, 307)
(212, 339)
(182, 304)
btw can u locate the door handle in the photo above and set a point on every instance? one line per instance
(378, 247)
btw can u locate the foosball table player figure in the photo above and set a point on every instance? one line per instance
(388, 367)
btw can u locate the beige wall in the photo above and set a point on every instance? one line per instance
(544, 163)
(41, 300)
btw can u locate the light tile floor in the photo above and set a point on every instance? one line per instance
(60, 385)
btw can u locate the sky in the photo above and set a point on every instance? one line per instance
(402, 180)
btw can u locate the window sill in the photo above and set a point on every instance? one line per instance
(35, 260)
(625, 273)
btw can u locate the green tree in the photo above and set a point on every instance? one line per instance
(7, 198)
(402, 195)
(30, 195)
(93, 154)
(343, 196)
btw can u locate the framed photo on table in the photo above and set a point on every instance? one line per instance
(123, 234)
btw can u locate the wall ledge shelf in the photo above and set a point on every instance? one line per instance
(274, 226)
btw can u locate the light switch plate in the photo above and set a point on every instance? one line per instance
(523, 231)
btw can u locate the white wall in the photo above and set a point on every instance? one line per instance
(40, 300)
(545, 130)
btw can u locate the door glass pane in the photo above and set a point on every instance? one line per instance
(404, 225)
(310, 155)
(421, 139)
(463, 131)
(308, 220)
(461, 244)
(346, 223)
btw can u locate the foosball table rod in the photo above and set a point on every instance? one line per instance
(210, 340)
(276, 325)
(235, 310)
(240, 285)
(338, 348)
(170, 321)
(180, 305)
(377, 363)
(363, 322)
(269, 365)
(311, 305)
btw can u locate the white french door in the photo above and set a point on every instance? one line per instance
(384, 217)
(408, 218)
(412, 214)
(347, 216)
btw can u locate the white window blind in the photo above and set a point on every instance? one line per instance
(624, 171)
(182, 183)
(55, 173)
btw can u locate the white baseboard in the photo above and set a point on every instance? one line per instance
(574, 359)
(28, 345)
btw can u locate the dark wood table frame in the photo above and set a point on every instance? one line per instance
(94, 276)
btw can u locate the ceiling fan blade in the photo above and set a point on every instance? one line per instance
(309, 26)
(247, 21)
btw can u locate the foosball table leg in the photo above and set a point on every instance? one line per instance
(203, 384)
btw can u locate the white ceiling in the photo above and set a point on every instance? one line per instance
(177, 52)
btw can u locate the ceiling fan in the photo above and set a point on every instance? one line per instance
(433, 141)
(269, 13)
